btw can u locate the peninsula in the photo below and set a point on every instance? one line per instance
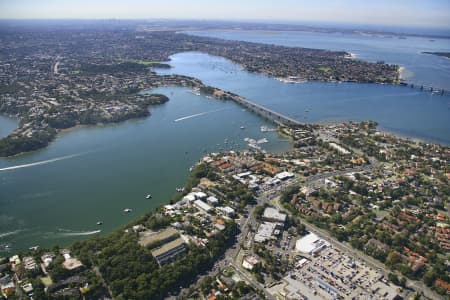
(63, 77)
(443, 54)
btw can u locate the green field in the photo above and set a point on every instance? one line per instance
(325, 69)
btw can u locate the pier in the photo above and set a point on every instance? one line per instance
(273, 116)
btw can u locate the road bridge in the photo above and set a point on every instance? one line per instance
(273, 116)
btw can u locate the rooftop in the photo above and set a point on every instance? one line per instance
(167, 247)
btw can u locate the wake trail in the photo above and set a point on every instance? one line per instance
(43, 162)
(81, 233)
(5, 234)
(198, 115)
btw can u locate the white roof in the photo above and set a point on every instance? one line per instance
(265, 232)
(284, 175)
(212, 199)
(307, 243)
(228, 210)
(200, 195)
(272, 213)
(189, 197)
(245, 174)
(202, 205)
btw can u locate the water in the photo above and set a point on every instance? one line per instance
(397, 109)
(419, 68)
(100, 171)
(7, 125)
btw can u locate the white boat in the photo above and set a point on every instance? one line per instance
(149, 196)
(127, 210)
(180, 190)
(99, 223)
(34, 248)
(242, 127)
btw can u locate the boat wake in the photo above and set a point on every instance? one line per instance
(81, 233)
(43, 162)
(198, 115)
(5, 234)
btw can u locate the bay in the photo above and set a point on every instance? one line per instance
(7, 125)
(398, 109)
(102, 170)
(405, 51)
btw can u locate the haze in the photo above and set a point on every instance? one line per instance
(419, 13)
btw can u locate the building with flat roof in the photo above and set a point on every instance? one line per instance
(273, 215)
(249, 262)
(212, 201)
(169, 251)
(284, 175)
(384, 291)
(228, 211)
(203, 206)
(265, 232)
(310, 244)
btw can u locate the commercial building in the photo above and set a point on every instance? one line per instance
(203, 206)
(284, 175)
(310, 244)
(273, 215)
(169, 252)
(266, 231)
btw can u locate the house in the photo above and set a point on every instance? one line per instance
(249, 262)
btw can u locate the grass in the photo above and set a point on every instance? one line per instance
(47, 281)
(325, 69)
(141, 62)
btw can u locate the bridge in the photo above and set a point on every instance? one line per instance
(273, 116)
(429, 88)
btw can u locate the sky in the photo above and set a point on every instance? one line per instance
(418, 13)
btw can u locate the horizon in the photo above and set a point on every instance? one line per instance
(302, 26)
(403, 14)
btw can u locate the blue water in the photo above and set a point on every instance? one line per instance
(7, 125)
(105, 169)
(419, 68)
(398, 109)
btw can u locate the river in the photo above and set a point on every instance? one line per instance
(398, 109)
(404, 51)
(58, 194)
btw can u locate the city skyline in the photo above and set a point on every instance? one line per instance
(417, 13)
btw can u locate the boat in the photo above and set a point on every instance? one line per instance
(242, 127)
(99, 223)
(149, 196)
(180, 190)
(195, 91)
(127, 210)
(191, 168)
(34, 248)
